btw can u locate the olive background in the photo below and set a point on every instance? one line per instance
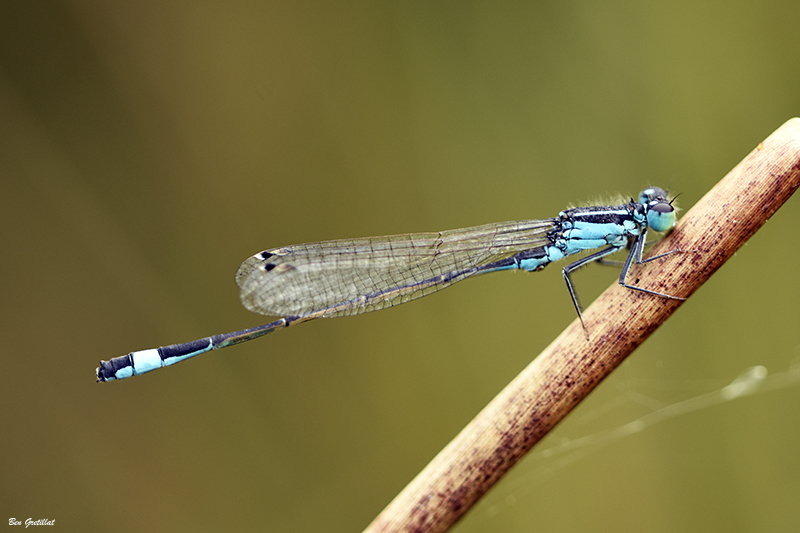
(148, 148)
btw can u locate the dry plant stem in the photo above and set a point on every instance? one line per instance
(567, 370)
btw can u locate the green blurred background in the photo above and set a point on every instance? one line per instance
(148, 148)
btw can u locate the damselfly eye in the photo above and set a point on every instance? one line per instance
(661, 216)
(662, 207)
(653, 194)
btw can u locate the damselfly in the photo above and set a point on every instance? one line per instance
(352, 276)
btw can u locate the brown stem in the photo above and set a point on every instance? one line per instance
(618, 321)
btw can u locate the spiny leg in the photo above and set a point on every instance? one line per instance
(631, 241)
(636, 254)
(576, 265)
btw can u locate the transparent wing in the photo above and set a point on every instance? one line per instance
(352, 276)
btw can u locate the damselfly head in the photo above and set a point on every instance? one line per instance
(660, 212)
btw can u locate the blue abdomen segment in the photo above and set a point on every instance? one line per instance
(144, 361)
(530, 260)
(548, 255)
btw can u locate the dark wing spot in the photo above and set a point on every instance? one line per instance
(268, 267)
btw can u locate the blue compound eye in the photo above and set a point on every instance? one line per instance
(661, 216)
(652, 194)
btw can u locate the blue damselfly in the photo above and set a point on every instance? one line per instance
(353, 276)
